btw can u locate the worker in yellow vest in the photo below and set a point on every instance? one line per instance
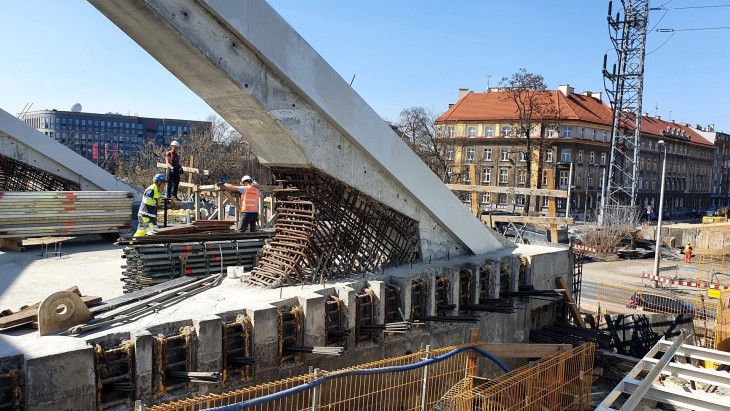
(249, 203)
(147, 215)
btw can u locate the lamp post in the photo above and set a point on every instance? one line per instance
(657, 253)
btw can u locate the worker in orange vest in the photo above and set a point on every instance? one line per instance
(687, 252)
(249, 203)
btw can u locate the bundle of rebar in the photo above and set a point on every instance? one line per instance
(447, 318)
(156, 263)
(568, 334)
(60, 213)
(490, 306)
(399, 327)
(193, 237)
(315, 350)
(195, 376)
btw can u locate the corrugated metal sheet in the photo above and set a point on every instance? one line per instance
(53, 213)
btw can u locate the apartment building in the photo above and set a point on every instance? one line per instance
(481, 130)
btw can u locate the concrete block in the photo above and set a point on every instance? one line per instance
(143, 365)
(209, 349)
(378, 288)
(495, 270)
(265, 337)
(347, 295)
(314, 320)
(474, 285)
(60, 376)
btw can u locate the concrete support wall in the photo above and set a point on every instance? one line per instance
(61, 372)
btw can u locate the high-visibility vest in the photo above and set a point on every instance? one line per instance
(250, 200)
(150, 200)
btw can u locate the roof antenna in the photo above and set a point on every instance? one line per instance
(488, 76)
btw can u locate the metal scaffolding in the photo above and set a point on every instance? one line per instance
(628, 35)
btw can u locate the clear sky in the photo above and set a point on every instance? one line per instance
(402, 53)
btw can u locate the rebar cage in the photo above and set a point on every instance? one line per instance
(326, 229)
(18, 176)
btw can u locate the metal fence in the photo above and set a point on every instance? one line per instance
(426, 380)
(560, 381)
(705, 311)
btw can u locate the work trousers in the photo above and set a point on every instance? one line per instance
(145, 226)
(247, 221)
(173, 181)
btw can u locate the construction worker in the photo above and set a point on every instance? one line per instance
(173, 168)
(147, 215)
(687, 252)
(249, 203)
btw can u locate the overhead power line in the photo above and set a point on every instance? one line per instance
(689, 7)
(691, 29)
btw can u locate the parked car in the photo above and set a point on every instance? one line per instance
(660, 304)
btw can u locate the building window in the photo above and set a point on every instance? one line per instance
(592, 157)
(471, 132)
(470, 154)
(593, 134)
(486, 175)
(603, 159)
(451, 131)
(590, 179)
(486, 198)
(520, 200)
(579, 179)
(545, 201)
(502, 175)
(549, 156)
(563, 181)
(505, 155)
(565, 156)
(450, 154)
(523, 156)
(467, 176)
(506, 131)
(580, 156)
(488, 131)
(605, 136)
(523, 176)
(567, 132)
(502, 198)
(487, 154)
(550, 132)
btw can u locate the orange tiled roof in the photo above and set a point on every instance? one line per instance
(655, 126)
(495, 106)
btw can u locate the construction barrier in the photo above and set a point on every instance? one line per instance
(595, 250)
(684, 283)
(433, 380)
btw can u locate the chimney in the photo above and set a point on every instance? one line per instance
(463, 92)
(597, 95)
(711, 127)
(566, 89)
(451, 105)
(646, 114)
(658, 117)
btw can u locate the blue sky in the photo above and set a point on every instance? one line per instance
(402, 53)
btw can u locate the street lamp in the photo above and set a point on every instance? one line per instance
(657, 253)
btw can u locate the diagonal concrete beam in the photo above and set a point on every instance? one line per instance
(264, 79)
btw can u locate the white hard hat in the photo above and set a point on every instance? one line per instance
(174, 143)
(246, 178)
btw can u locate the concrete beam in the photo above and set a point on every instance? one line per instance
(263, 78)
(26, 144)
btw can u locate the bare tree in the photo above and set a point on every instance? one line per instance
(535, 111)
(619, 228)
(220, 150)
(416, 127)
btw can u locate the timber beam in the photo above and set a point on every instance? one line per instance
(509, 190)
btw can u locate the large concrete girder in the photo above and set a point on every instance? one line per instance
(264, 79)
(24, 143)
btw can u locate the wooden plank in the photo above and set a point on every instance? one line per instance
(186, 169)
(526, 219)
(509, 190)
(11, 244)
(572, 306)
(188, 185)
(30, 314)
(517, 350)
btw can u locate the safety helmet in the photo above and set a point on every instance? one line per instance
(159, 178)
(174, 144)
(246, 178)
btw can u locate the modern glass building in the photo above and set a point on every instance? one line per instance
(111, 138)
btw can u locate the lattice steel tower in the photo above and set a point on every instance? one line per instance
(628, 34)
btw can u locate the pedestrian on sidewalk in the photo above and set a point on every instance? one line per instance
(687, 252)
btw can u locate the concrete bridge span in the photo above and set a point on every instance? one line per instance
(264, 79)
